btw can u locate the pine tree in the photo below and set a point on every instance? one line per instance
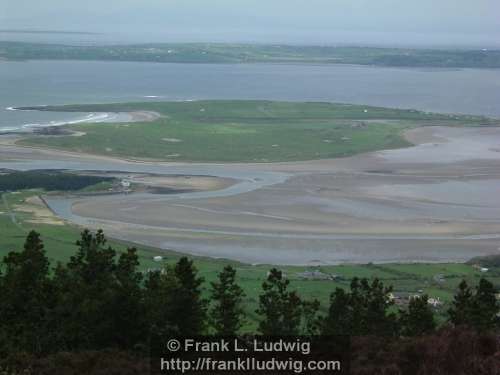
(86, 291)
(281, 310)
(27, 296)
(362, 311)
(160, 304)
(419, 318)
(339, 318)
(460, 311)
(227, 313)
(311, 321)
(378, 319)
(484, 307)
(129, 315)
(190, 308)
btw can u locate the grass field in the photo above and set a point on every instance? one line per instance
(245, 131)
(438, 280)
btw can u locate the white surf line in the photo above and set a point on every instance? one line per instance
(90, 118)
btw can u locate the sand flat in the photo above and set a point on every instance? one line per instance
(435, 202)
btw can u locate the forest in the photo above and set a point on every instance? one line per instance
(99, 310)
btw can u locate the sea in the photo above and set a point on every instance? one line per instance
(31, 83)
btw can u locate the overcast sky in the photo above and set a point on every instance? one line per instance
(401, 22)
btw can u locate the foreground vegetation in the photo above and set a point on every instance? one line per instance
(100, 301)
(248, 53)
(245, 131)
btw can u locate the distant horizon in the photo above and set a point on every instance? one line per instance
(110, 38)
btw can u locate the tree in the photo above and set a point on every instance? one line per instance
(128, 306)
(460, 311)
(27, 297)
(283, 312)
(227, 313)
(419, 318)
(311, 322)
(484, 307)
(362, 311)
(160, 304)
(86, 290)
(190, 308)
(340, 314)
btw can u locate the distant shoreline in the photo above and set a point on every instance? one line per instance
(25, 31)
(212, 53)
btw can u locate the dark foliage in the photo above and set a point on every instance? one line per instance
(477, 309)
(419, 318)
(282, 311)
(227, 311)
(362, 311)
(458, 351)
(48, 180)
(97, 314)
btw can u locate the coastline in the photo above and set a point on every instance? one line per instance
(88, 118)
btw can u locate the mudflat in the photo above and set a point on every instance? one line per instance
(434, 202)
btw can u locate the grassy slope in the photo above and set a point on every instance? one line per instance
(246, 131)
(59, 241)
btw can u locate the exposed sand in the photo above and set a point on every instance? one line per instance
(39, 211)
(196, 183)
(437, 201)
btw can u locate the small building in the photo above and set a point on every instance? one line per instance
(434, 302)
(158, 258)
(439, 278)
(316, 275)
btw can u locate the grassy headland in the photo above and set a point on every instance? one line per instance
(245, 131)
(254, 53)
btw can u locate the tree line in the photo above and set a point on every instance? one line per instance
(48, 180)
(99, 299)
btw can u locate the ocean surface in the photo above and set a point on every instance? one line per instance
(470, 91)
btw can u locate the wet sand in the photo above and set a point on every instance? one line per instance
(435, 202)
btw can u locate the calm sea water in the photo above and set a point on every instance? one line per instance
(470, 91)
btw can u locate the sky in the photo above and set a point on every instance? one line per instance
(322, 22)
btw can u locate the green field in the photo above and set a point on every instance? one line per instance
(254, 53)
(245, 131)
(438, 280)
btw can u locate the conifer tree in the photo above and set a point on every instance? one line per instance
(340, 315)
(129, 315)
(484, 307)
(279, 309)
(460, 311)
(227, 313)
(190, 308)
(27, 296)
(362, 311)
(419, 318)
(86, 292)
